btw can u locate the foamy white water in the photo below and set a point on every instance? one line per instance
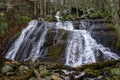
(80, 48)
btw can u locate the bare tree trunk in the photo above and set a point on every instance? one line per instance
(35, 7)
(8, 5)
(115, 16)
(45, 8)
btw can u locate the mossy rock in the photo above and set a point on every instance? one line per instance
(23, 68)
(44, 73)
(42, 67)
(6, 68)
(92, 73)
(32, 78)
(54, 53)
(114, 78)
(56, 76)
(26, 76)
(115, 71)
(99, 65)
(55, 41)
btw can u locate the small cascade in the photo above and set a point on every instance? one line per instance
(67, 25)
(57, 16)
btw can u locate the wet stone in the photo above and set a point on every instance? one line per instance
(32, 78)
(115, 71)
(6, 68)
(56, 76)
(44, 72)
(23, 68)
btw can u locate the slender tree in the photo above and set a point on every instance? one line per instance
(35, 7)
(115, 16)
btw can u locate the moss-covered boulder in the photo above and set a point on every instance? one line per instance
(44, 73)
(56, 76)
(115, 71)
(23, 68)
(6, 68)
(92, 73)
(55, 42)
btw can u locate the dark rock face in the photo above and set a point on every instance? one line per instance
(55, 42)
(52, 45)
(104, 33)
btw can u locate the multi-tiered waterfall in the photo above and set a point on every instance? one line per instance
(80, 47)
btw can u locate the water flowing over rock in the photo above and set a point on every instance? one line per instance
(59, 42)
(30, 41)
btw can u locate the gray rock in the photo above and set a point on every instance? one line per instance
(42, 67)
(44, 73)
(23, 68)
(32, 78)
(56, 76)
(6, 68)
(115, 71)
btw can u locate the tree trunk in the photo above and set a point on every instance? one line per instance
(35, 7)
(115, 16)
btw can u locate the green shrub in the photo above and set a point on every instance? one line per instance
(3, 28)
(23, 20)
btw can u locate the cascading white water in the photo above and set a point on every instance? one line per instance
(15, 47)
(82, 49)
(67, 25)
(25, 37)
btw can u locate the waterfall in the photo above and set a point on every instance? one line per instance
(80, 47)
(29, 44)
(83, 49)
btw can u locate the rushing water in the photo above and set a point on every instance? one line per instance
(83, 49)
(80, 47)
(29, 44)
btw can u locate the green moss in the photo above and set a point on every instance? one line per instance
(3, 28)
(44, 73)
(115, 71)
(49, 18)
(55, 43)
(92, 73)
(23, 20)
(69, 17)
(117, 45)
(26, 75)
(54, 52)
(6, 68)
(99, 65)
(114, 78)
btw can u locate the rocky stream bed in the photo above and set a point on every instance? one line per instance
(11, 70)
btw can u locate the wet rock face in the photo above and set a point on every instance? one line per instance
(107, 39)
(104, 33)
(47, 42)
(55, 42)
(106, 36)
